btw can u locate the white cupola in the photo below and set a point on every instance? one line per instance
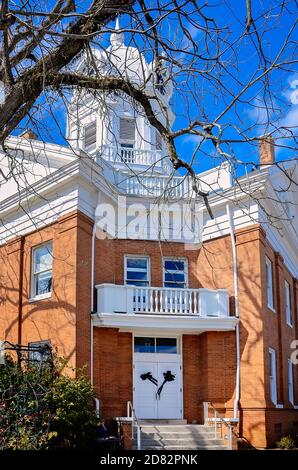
(111, 126)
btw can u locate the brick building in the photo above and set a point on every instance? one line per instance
(218, 312)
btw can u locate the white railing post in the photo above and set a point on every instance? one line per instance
(230, 438)
(205, 409)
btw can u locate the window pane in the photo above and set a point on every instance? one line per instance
(144, 345)
(137, 275)
(136, 263)
(174, 265)
(174, 277)
(137, 283)
(43, 283)
(43, 258)
(166, 345)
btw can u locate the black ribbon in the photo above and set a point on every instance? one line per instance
(148, 376)
(168, 377)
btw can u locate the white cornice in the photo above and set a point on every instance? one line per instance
(191, 324)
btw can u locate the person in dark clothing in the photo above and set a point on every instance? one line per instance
(103, 439)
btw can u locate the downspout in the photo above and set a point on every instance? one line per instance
(92, 292)
(234, 254)
(20, 302)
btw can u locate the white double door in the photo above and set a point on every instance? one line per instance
(150, 373)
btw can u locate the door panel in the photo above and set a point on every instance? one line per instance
(169, 400)
(145, 402)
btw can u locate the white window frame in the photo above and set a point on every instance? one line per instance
(93, 123)
(290, 382)
(147, 258)
(170, 258)
(129, 142)
(273, 378)
(34, 296)
(288, 306)
(155, 337)
(269, 284)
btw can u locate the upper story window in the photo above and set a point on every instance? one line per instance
(90, 135)
(158, 141)
(137, 271)
(288, 303)
(290, 382)
(42, 271)
(269, 283)
(175, 273)
(127, 132)
(272, 374)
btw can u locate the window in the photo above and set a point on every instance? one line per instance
(175, 273)
(90, 135)
(288, 303)
(39, 351)
(155, 345)
(290, 382)
(137, 271)
(127, 132)
(42, 270)
(269, 284)
(272, 373)
(158, 141)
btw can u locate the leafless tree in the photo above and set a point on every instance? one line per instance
(228, 66)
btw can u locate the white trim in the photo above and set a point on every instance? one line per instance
(174, 258)
(192, 324)
(290, 382)
(273, 392)
(33, 296)
(136, 256)
(269, 284)
(288, 304)
(47, 295)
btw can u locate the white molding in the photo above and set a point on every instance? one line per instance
(191, 324)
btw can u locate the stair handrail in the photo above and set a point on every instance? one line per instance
(218, 419)
(135, 423)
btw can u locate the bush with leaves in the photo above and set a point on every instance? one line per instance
(41, 408)
(288, 442)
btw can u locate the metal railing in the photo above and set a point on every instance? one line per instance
(218, 421)
(134, 424)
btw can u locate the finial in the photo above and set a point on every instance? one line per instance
(117, 38)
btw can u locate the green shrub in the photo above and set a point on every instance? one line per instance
(287, 442)
(41, 408)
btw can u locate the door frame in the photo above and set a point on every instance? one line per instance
(149, 334)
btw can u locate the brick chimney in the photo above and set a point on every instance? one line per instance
(29, 134)
(267, 150)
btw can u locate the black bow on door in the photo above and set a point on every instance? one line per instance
(148, 376)
(168, 377)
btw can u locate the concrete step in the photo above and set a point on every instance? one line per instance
(182, 442)
(162, 422)
(178, 447)
(179, 437)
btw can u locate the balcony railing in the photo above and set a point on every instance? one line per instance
(133, 300)
(175, 187)
(132, 156)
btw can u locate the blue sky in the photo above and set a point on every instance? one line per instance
(201, 98)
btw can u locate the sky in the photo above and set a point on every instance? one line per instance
(204, 99)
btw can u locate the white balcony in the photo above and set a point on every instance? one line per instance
(130, 307)
(125, 157)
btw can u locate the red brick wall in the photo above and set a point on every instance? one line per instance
(209, 359)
